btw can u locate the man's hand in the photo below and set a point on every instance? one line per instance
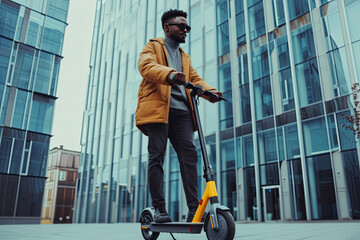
(177, 78)
(215, 99)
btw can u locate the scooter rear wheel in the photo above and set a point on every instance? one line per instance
(147, 234)
(226, 229)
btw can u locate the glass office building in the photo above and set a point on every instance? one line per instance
(278, 145)
(31, 40)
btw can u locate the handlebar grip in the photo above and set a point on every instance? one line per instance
(192, 86)
(199, 88)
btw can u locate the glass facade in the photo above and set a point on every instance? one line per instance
(277, 146)
(31, 40)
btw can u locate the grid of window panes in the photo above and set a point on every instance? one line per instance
(286, 68)
(31, 40)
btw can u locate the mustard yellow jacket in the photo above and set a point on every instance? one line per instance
(154, 91)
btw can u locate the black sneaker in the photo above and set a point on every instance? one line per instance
(161, 215)
(191, 215)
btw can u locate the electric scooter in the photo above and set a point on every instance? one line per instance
(219, 223)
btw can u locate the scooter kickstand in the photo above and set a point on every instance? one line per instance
(172, 236)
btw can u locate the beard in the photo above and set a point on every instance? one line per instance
(178, 38)
(181, 40)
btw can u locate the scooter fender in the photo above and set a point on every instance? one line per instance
(151, 210)
(213, 214)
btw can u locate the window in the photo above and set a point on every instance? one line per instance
(256, 20)
(23, 66)
(260, 62)
(339, 72)
(8, 18)
(269, 174)
(283, 52)
(228, 184)
(347, 139)
(55, 76)
(315, 136)
(17, 120)
(30, 196)
(5, 151)
(50, 194)
(53, 36)
(222, 27)
(297, 185)
(250, 193)
(352, 10)
(332, 26)
(5, 103)
(267, 146)
(248, 150)
(307, 75)
(34, 31)
(240, 22)
(26, 159)
(33, 4)
(287, 91)
(332, 133)
(5, 50)
(263, 98)
(41, 114)
(297, 8)
(279, 12)
(245, 103)
(321, 187)
(352, 175)
(243, 69)
(43, 77)
(58, 9)
(292, 141)
(8, 186)
(17, 153)
(223, 38)
(280, 138)
(62, 175)
(38, 158)
(226, 113)
(227, 155)
(303, 44)
(51, 177)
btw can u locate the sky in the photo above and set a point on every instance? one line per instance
(73, 75)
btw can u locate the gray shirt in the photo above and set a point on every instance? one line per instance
(178, 95)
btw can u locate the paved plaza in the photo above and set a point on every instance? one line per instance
(331, 230)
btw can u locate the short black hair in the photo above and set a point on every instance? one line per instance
(172, 13)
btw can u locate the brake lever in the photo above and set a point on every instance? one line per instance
(198, 88)
(211, 94)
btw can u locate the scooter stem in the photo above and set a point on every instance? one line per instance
(208, 171)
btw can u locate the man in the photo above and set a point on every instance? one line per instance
(164, 110)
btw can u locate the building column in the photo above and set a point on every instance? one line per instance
(297, 112)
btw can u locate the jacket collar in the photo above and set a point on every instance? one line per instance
(161, 41)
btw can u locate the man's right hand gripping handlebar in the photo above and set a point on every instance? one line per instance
(214, 96)
(176, 78)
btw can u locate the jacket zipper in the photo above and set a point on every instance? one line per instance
(167, 94)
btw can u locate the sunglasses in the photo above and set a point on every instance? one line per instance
(182, 26)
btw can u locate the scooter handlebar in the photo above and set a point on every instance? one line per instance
(199, 89)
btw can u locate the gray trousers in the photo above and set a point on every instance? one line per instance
(180, 131)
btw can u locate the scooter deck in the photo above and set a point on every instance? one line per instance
(174, 227)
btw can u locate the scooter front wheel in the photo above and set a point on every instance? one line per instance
(226, 228)
(146, 219)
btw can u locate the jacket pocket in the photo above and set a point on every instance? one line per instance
(147, 90)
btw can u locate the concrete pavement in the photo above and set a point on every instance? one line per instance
(330, 230)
